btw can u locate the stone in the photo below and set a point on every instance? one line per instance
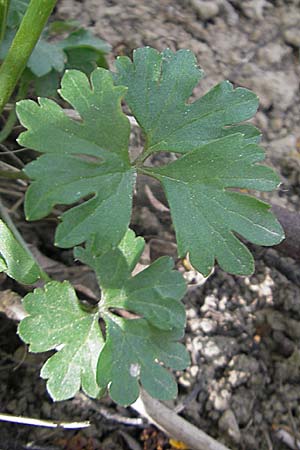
(205, 10)
(292, 36)
(208, 326)
(229, 425)
(220, 400)
(278, 88)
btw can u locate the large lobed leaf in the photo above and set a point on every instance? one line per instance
(82, 158)
(133, 350)
(219, 153)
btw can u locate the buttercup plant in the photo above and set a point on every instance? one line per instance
(85, 164)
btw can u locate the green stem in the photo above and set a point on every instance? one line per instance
(4, 4)
(22, 46)
(9, 124)
(12, 116)
(19, 175)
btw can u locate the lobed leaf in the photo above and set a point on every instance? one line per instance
(57, 321)
(45, 58)
(133, 351)
(82, 158)
(88, 159)
(207, 212)
(134, 348)
(154, 293)
(159, 85)
(84, 51)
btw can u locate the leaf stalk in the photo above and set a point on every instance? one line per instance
(22, 46)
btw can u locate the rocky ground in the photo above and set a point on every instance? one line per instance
(243, 386)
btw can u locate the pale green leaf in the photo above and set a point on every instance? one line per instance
(57, 321)
(46, 57)
(16, 11)
(15, 259)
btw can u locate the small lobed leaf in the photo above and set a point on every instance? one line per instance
(84, 38)
(82, 158)
(159, 85)
(46, 57)
(154, 293)
(133, 351)
(15, 260)
(57, 321)
(84, 51)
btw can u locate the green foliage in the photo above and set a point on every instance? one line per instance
(82, 159)
(206, 210)
(15, 261)
(16, 11)
(133, 347)
(130, 338)
(57, 321)
(219, 154)
(79, 50)
(159, 85)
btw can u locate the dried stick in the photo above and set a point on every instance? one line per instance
(43, 423)
(173, 425)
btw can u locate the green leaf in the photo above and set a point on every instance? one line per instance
(15, 260)
(133, 349)
(84, 39)
(207, 212)
(57, 321)
(16, 11)
(85, 59)
(84, 51)
(132, 352)
(154, 293)
(46, 57)
(159, 85)
(83, 158)
(47, 85)
(61, 26)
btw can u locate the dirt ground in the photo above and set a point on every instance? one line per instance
(243, 334)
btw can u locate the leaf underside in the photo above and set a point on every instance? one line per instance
(133, 349)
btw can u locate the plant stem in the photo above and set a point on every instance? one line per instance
(12, 116)
(19, 175)
(4, 4)
(22, 46)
